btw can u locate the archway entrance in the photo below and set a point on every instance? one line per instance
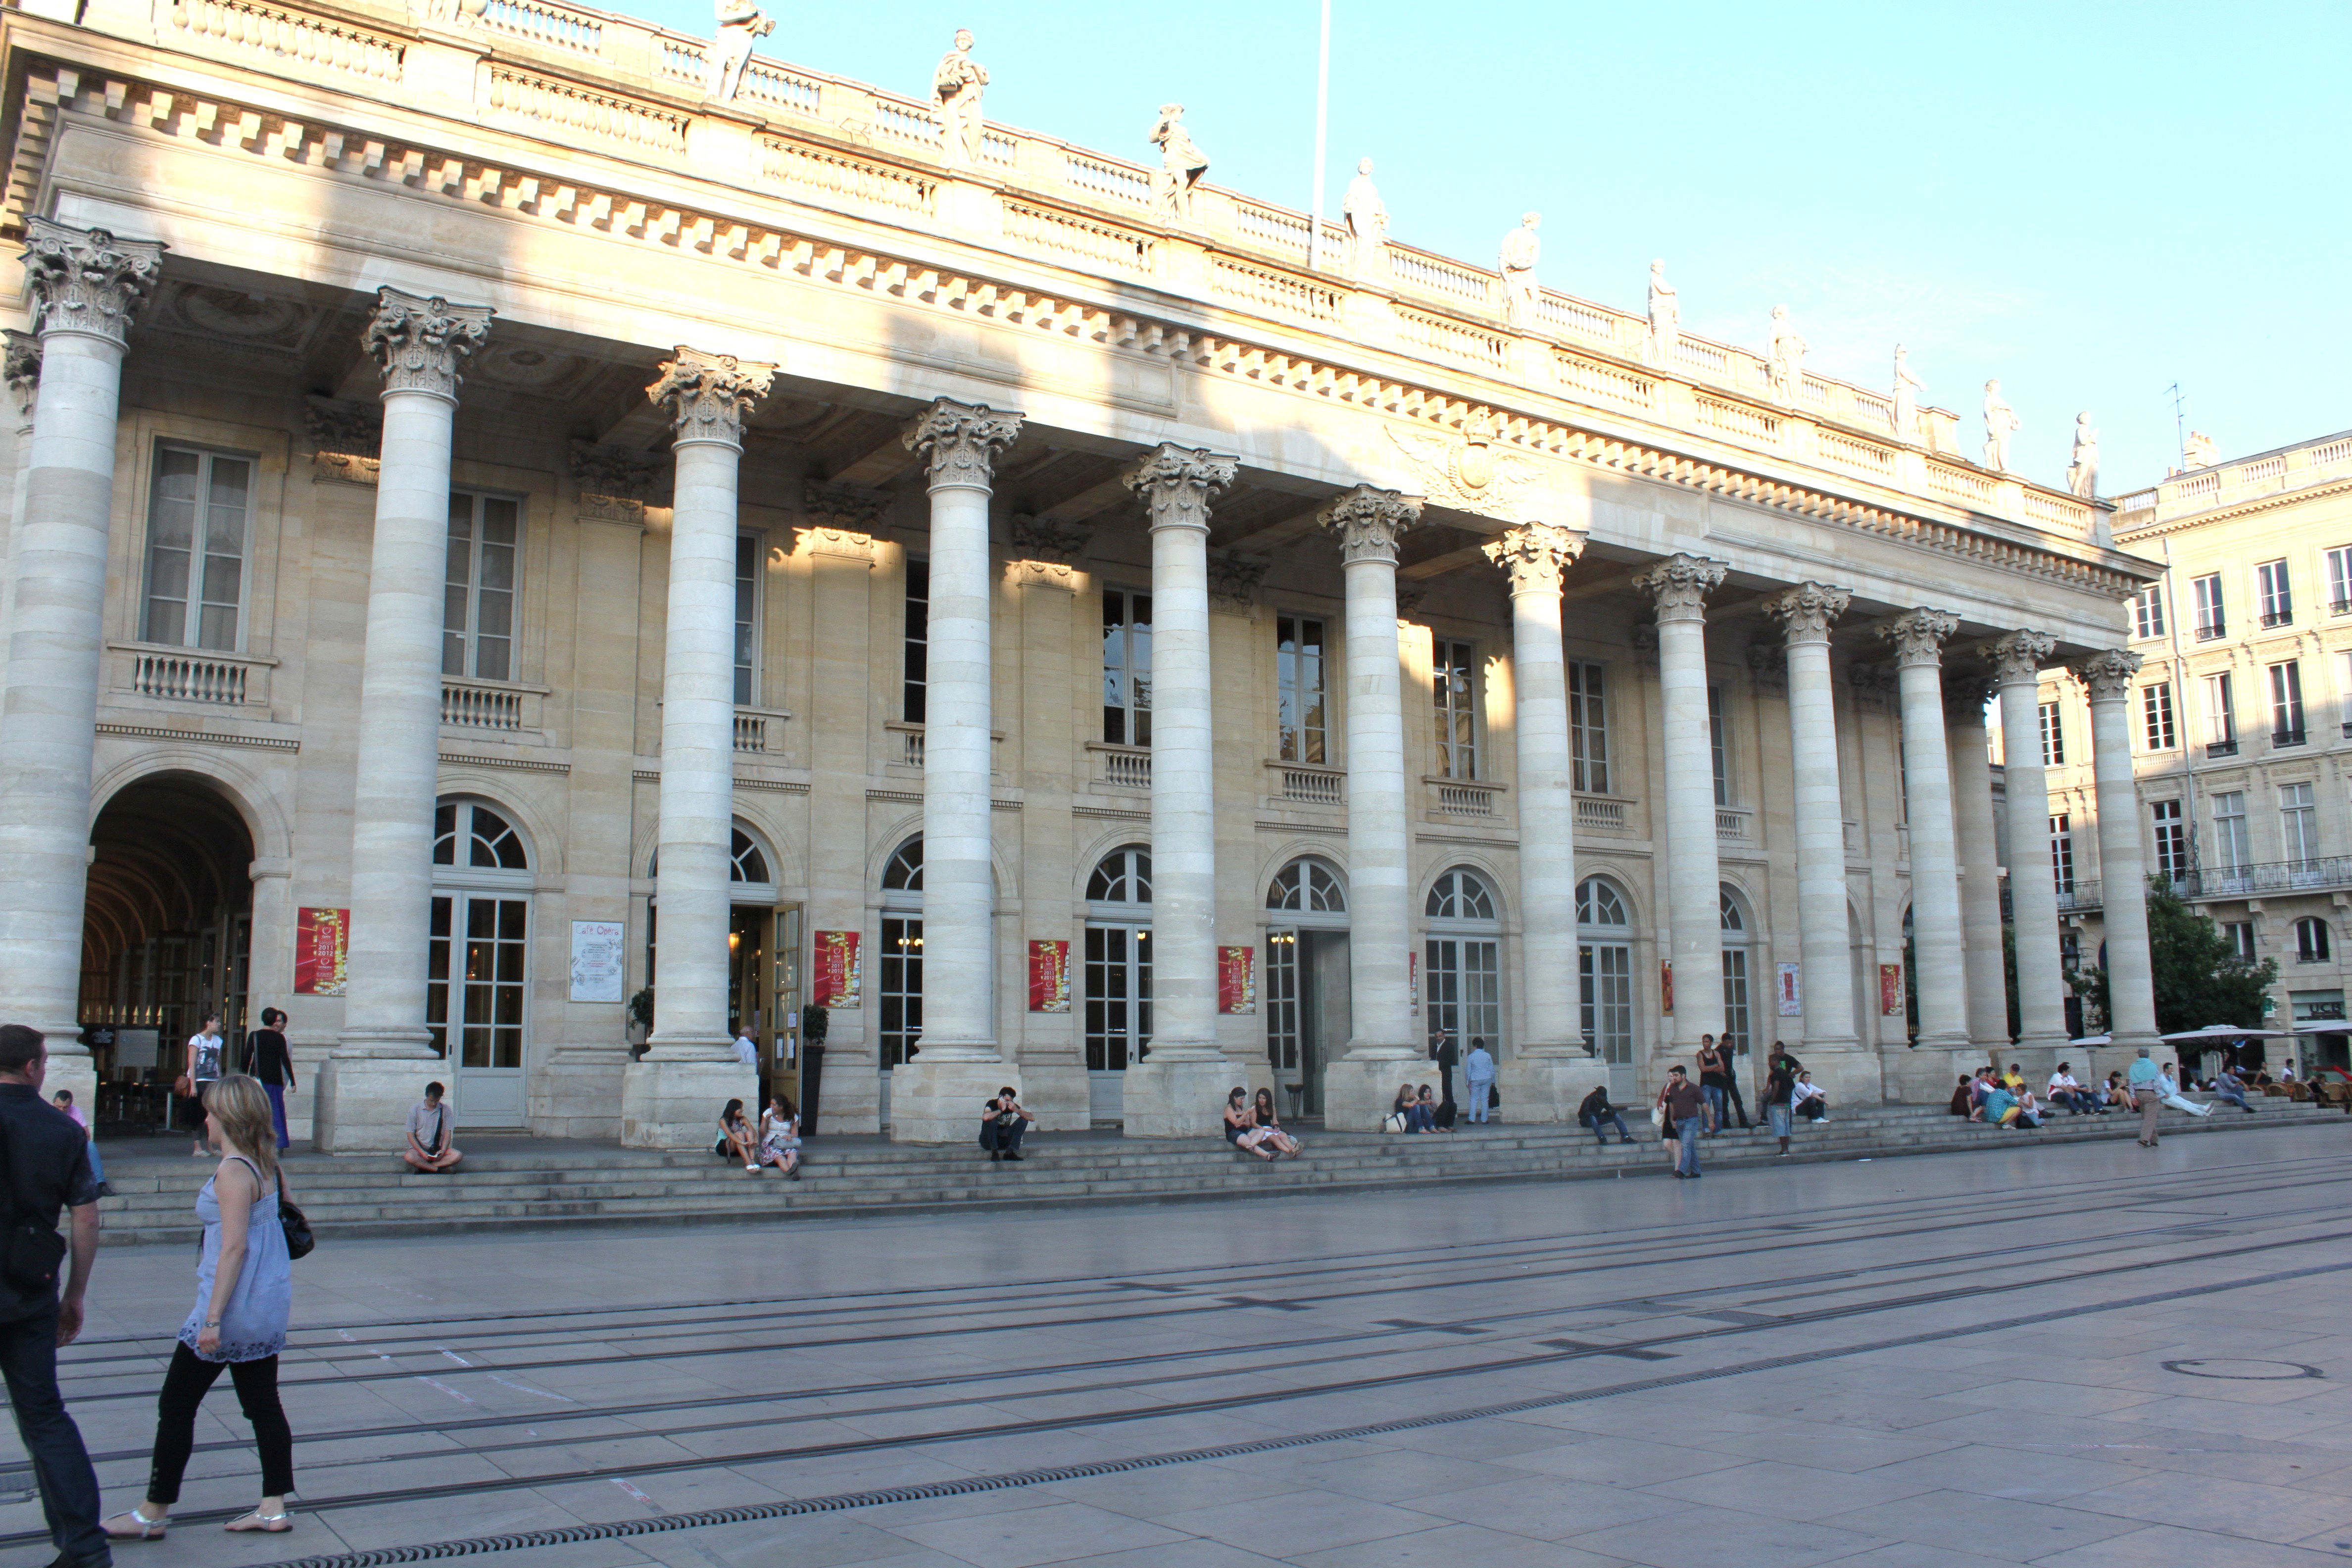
(1307, 1016)
(166, 932)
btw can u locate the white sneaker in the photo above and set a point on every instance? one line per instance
(751, 1167)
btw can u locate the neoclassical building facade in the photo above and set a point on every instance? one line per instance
(536, 549)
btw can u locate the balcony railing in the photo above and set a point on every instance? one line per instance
(468, 704)
(2213, 632)
(2078, 895)
(1599, 813)
(760, 729)
(2318, 874)
(1310, 783)
(2230, 748)
(1464, 797)
(193, 675)
(2293, 737)
(1123, 767)
(2275, 618)
(1731, 823)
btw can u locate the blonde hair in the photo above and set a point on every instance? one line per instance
(241, 1106)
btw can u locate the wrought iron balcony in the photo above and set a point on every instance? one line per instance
(2212, 633)
(2274, 618)
(2293, 737)
(2230, 748)
(2319, 873)
(2079, 894)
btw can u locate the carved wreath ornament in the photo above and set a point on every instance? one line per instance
(1469, 472)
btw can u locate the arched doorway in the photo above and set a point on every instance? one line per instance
(898, 995)
(1604, 973)
(476, 985)
(1738, 982)
(1308, 1017)
(166, 932)
(1117, 977)
(1462, 966)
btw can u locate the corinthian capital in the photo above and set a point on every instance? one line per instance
(1806, 610)
(1918, 636)
(2107, 673)
(707, 397)
(1965, 697)
(962, 441)
(420, 343)
(1536, 555)
(1177, 484)
(1681, 583)
(22, 369)
(86, 280)
(2018, 658)
(1369, 522)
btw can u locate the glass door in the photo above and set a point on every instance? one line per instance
(1605, 977)
(1119, 1011)
(474, 999)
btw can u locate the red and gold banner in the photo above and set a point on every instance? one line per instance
(1890, 990)
(1666, 985)
(1049, 975)
(1236, 979)
(322, 947)
(836, 978)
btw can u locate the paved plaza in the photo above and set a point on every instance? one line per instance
(2077, 1356)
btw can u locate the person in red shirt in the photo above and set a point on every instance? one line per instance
(1686, 1106)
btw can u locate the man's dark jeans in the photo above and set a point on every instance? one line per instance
(1595, 1124)
(28, 1359)
(999, 1140)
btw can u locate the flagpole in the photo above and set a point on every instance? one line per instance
(1322, 122)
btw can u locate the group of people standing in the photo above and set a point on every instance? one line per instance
(244, 1300)
(267, 1059)
(1688, 1110)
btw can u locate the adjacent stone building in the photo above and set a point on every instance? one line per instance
(504, 538)
(2240, 721)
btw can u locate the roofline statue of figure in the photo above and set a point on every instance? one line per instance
(2082, 473)
(1666, 316)
(2000, 423)
(1181, 163)
(956, 88)
(1522, 250)
(1907, 388)
(1785, 358)
(741, 24)
(1368, 220)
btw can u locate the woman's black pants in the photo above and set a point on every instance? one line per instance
(184, 1387)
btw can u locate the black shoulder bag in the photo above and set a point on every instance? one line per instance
(32, 1251)
(296, 1225)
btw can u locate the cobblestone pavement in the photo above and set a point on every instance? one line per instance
(2074, 1356)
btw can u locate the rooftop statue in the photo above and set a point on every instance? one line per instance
(1367, 216)
(2000, 423)
(956, 88)
(741, 24)
(2082, 473)
(1182, 163)
(1907, 388)
(1521, 251)
(1785, 358)
(1666, 316)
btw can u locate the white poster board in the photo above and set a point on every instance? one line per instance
(597, 965)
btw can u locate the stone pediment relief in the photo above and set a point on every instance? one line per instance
(1469, 473)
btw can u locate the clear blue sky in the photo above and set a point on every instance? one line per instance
(2090, 201)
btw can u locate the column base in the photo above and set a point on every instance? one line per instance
(849, 1101)
(362, 1103)
(1181, 1098)
(578, 1095)
(1058, 1092)
(941, 1102)
(1850, 1075)
(675, 1104)
(1357, 1092)
(1546, 1090)
(2037, 1060)
(1925, 1075)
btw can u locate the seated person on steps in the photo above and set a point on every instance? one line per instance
(1002, 1125)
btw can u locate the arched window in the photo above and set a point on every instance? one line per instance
(467, 833)
(899, 996)
(1735, 918)
(1460, 895)
(1738, 992)
(2311, 945)
(746, 861)
(903, 874)
(1123, 877)
(1600, 904)
(1307, 886)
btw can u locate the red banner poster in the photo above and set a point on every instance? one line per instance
(1412, 981)
(322, 945)
(1666, 985)
(1236, 979)
(1049, 976)
(1890, 990)
(835, 978)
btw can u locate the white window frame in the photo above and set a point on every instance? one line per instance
(1133, 665)
(2298, 826)
(2158, 732)
(193, 603)
(2313, 942)
(2054, 735)
(2286, 704)
(2232, 849)
(2221, 711)
(2339, 580)
(751, 548)
(1719, 741)
(1302, 687)
(2147, 612)
(1588, 726)
(2212, 612)
(2275, 591)
(465, 642)
(1454, 706)
(2241, 939)
(2171, 839)
(2061, 853)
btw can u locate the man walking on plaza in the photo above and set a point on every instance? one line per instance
(48, 1168)
(1686, 1106)
(2145, 1083)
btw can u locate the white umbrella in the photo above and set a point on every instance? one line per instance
(2215, 1034)
(2094, 1040)
(2324, 1027)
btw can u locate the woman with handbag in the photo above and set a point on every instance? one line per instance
(244, 1294)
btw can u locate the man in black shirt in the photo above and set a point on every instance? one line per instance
(1596, 1109)
(47, 1167)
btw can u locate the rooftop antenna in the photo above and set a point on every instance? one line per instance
(2180, 421)
(1322, 120)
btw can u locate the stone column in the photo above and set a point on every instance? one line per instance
(2122, 869)
(1832, 1048)
(1976, 846)
(1382, 1052)
(960, 1065)
(22, 371)
(85, 286)
(1680, 583)
(1926, 1071)
(688, 1067)
(384, 1053)
(1553, 1068)
(1179, 1090)
(2017, 662)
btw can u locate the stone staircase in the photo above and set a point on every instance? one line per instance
(545, 1182)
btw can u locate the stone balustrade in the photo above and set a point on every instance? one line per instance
(2204, 491)
(613, 83)
(191, 675)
